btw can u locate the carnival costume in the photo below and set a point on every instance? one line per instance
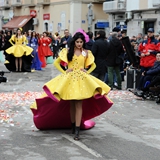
(36, 63)
(44, 50)
(52, 110)
(20, 48)
(17, 50)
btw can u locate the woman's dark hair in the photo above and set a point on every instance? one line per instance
(72, 44)
(17, 33)
(46, 33)
(32, 36)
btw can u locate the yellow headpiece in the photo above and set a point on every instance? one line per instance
(20, 29)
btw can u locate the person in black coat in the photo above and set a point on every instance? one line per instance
(0, 40)
(7, 44)
(90, 43)
(100, 49)
(114, 60)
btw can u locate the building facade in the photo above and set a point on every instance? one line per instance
(137, 15)
(53, 15)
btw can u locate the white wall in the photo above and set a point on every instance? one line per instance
(0, 20)
(132, 5)
(134, 27)
(75, 16)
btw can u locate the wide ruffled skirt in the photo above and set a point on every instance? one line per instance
(52, 110)
(19, 50)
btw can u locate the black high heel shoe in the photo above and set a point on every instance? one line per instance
(73, 128)
(76, 137)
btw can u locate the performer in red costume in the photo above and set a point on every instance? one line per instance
(44, 50)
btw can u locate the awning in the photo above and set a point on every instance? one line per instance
(17, 22)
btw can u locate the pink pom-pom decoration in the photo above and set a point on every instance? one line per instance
(84, 33)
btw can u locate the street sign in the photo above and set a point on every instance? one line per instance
(102, 24)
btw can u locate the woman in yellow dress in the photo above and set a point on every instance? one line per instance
(74, 97)
(19, 49)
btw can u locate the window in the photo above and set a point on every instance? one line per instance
(46, 26)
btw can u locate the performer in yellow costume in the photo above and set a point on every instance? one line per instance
(19, 48)
(74, 97)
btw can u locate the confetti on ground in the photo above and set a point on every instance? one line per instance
(10, 101)
(121, 95)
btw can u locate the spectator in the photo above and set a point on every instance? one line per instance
(100, 49)
(149, 75)
(147, 51)
(55, 44)
(65, 40)
(116, 50)
(139, 38)
(90, 43)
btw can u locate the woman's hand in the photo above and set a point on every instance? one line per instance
(69, 70)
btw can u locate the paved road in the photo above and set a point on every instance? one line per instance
(130, 130)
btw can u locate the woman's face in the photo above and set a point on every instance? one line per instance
(19, 31)
(29, 32)
(79, 43)
(34, 33)
(44, 34)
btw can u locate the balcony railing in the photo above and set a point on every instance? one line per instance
(114, 6)
(5, 4)
(43, 2)
(16, 3)
(30, 3)
(156, 3)
(99, 1)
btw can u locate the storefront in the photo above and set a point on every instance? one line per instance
(16, 22)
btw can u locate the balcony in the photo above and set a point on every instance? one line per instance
(16, 3)
(43, 2)
(5, 4)
(29, 3)
(99, 1)
(156, 3)
(114, 6)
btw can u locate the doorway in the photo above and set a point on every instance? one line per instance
(147, 25)
(46, 26)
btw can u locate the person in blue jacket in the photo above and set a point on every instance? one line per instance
(150, 74)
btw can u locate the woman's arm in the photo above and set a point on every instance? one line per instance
(11, 40)
(92, 67)
(57, 65)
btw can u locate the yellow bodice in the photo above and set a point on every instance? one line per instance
(78, 62)
(19, 40)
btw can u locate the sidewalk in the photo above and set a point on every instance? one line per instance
(2, 67)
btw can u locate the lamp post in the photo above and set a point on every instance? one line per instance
(90, 16)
